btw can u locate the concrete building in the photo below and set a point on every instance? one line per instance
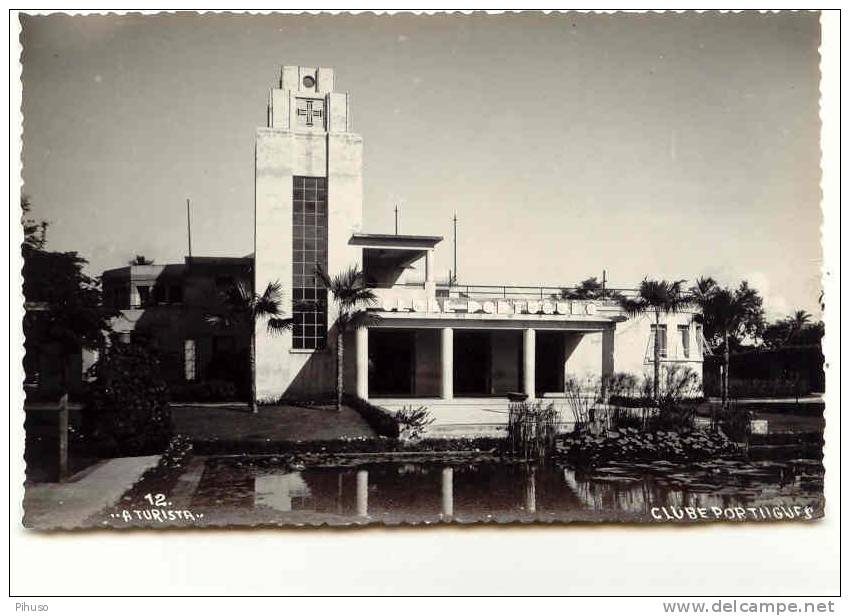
(449, 346)
(166, 307)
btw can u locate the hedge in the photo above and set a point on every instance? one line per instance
(206, 391)
(759, 388)
(380, 420)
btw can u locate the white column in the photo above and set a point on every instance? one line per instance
(531, 492)
(607, 359)
(361, 344)
(528, 362)
(607, 352)
(429, 266)
(362, 493)
(430, 284)
(447, 361)
(448, 493)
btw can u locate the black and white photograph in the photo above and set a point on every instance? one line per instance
(306, 270)
(291, 270)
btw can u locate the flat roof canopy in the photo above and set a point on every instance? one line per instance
(391, 240)
(387, 255)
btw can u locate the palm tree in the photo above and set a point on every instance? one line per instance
(242, 308)
(730, 315)
(798, 322)
(352, 297)
(656, 297)
(704, 288)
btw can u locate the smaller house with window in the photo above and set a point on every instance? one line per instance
(165, 306)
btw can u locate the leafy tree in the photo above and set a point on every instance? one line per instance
(656, 297)
(140, 260)
(63, 304)
(241, 307)
(728, 317)
(796, 329)
(351, 295)
(35, 232)
(799, 320)
(777, 334)
(702, 289)
(128, 412)
(590, 288)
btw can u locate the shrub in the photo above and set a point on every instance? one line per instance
(620, 385)
(625, 417)
(586, 449)
(128, 414)
(532, 428)
(206, 391)
(735, 421)
(380, 420)
(582, 397)
(413, 421)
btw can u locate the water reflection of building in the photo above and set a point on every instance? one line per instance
(637, 494)
(437, 492)
(288, 492)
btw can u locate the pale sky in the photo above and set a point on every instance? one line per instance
(663, 145)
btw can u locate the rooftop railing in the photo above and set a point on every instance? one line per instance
(474, 291)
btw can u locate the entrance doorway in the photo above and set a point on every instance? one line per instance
(471, 363)
(549, 362)
(391, 362)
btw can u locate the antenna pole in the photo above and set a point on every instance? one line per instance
(454, 220)
(189, 226)
(396, 219)
(604, 280)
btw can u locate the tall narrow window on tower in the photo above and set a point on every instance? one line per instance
(309, 248)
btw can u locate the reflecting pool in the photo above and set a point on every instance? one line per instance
(255, 490)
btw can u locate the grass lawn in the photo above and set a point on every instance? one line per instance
(275, 423)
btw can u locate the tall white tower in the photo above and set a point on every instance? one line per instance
(308, 202)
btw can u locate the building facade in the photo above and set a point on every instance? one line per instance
(440, 343)
(166, 307)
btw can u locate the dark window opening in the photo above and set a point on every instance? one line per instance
(661, 332)
(309, 249)
(144, 295)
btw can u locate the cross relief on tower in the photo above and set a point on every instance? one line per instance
(305, 101)
(309, 111)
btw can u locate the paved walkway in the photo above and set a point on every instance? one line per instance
(69, 504)
(275, 423)
(813, 399)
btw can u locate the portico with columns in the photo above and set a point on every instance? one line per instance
(443, 344)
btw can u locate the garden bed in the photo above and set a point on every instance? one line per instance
(586, 449)
(345, 446)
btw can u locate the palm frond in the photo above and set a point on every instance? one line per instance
(268, 304)
(359, 297)
(239, 297)
(703, 288)
(323, 277)
(279, 325)
(363, 318)
(633, 307)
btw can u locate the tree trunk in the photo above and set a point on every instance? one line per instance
(63, 417)
(253, 360)
(656, 359)
(725, 388)
(339, 355)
